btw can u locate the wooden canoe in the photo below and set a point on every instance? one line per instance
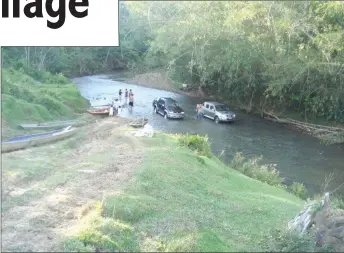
(51, 125)
(141, 122)
(22, 142)
(102, 111)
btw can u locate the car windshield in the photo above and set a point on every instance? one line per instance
(221, 108)
(171, 102)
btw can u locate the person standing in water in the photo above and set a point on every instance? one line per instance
(130, 92)
(131, 99)
(120, 94)
(126, 95)
(199, 111)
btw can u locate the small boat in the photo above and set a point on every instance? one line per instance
(102, 111)
(22, 142)
(51, 124)
(141, 122)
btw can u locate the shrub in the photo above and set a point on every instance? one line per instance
(299, 190)
(75, 245)
(338, 203)
(289, 241)
(252, 168)
(238, 161)
(197, 143)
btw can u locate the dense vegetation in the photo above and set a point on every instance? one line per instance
(278, 56)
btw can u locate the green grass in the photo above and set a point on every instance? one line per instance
(182, 204)
(26, 100)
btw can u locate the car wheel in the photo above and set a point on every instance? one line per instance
(165, 116)
(156, 110)
(217, 120)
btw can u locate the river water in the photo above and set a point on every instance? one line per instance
(299, 157)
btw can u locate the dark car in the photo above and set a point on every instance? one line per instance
(168, 107)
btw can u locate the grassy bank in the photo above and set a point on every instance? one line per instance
(30, 97)
(189, 202)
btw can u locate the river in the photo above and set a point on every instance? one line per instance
(299, 157)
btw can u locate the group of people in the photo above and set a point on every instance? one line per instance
(127, 94)
(117, 103)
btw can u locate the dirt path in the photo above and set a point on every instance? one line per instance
(38, 213)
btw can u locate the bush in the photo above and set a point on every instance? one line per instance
(75, 245)
(251, 168)
(237, 161)
(289, 241)
(197, 143)
(338, 203)
(299, 190)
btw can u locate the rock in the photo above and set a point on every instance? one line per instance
(304, 220)
(328, 222)
(69, 215)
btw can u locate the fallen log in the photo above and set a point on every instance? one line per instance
(319, 131)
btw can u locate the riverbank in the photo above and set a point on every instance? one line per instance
(27, 98)
(158, 80)
(105, 189)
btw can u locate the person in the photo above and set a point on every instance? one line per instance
(116, 106)
(111, 110)
(199, 111)
(130, 92)
(126, 96)
(131, 99)
(120, 94)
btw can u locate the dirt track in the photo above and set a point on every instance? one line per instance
(40, 208)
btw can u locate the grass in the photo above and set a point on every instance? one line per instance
(188, 202)
(25, 99)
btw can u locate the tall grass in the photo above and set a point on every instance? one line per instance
(252, 168)
(197, 143)
(299, 190)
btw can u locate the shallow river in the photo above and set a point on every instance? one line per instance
(299, 157)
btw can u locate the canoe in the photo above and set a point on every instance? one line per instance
(22, 142)
(141, 122)
(102, 111)
(52, 124)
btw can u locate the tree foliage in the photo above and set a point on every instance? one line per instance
(276, 55)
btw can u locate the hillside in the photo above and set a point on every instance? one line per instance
(105, 189)
(29, 100)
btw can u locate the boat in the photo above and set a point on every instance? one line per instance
(51, 124)
(22, 142)
(141, 122)
(102, 111)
